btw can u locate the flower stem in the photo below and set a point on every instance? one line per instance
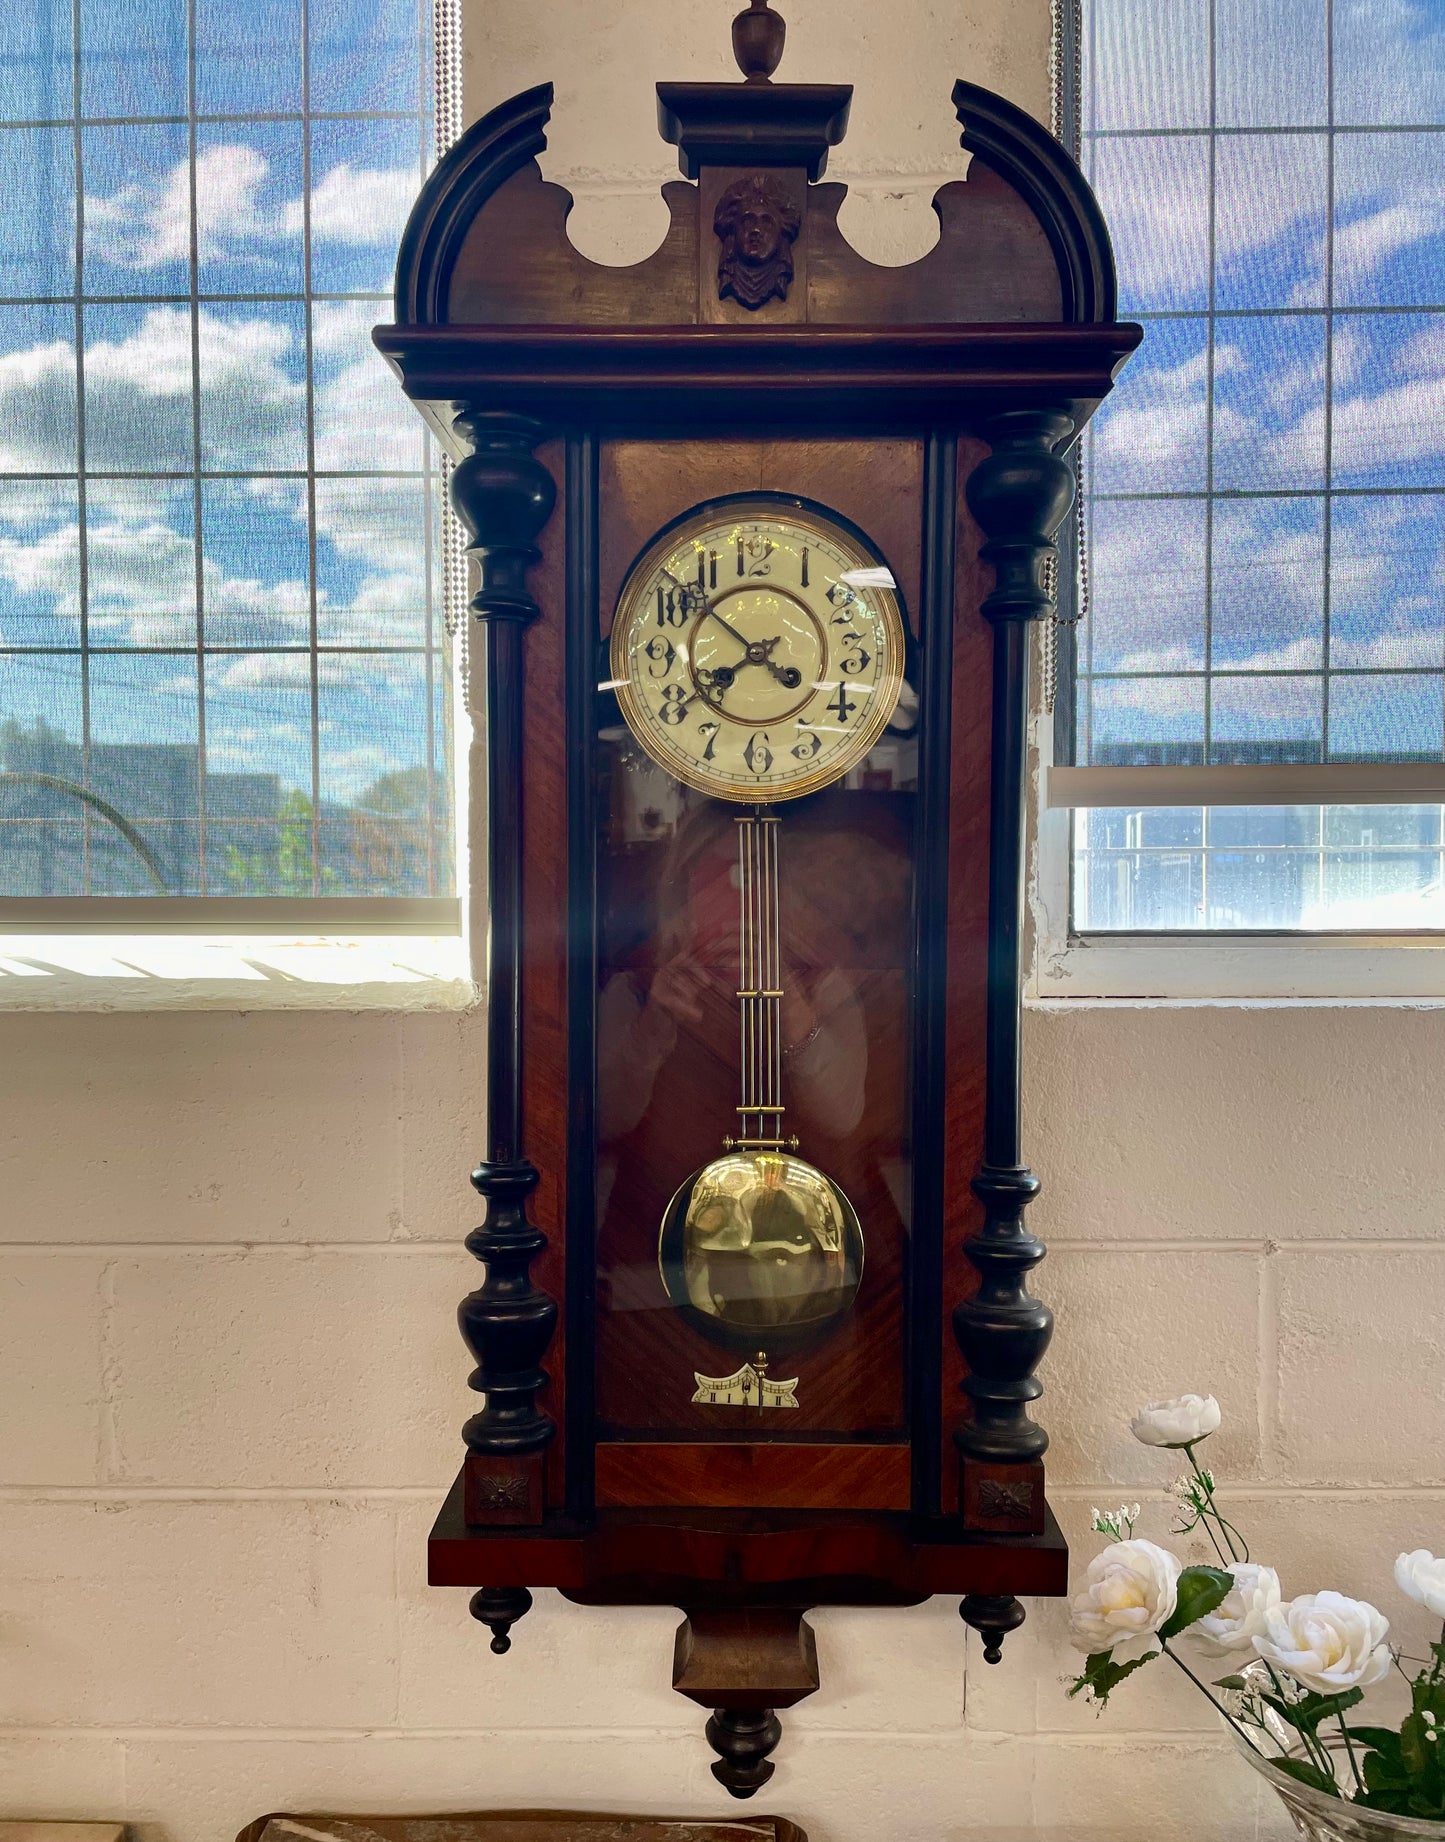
(1212, 1509)
(1174, 1657)
(1316, 1751)
(1350, 1749)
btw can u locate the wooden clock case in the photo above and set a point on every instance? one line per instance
(585, 407)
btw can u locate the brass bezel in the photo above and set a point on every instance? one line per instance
(887, 687)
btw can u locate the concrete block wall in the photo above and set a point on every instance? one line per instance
(232, 1388)
(230, 1382)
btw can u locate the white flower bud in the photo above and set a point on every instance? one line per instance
(1177, 1422)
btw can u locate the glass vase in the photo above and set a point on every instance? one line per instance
(1321, 1818)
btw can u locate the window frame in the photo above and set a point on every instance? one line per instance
(1184, 965)
(319, 919)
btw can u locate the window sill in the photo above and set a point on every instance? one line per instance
(233, 972)
(1222, 969)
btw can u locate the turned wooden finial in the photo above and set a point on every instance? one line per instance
(758, 34)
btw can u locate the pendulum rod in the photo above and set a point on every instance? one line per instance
(760, 996)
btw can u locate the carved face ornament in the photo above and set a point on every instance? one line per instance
(757, 229)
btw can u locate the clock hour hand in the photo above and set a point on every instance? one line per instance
(757, 651)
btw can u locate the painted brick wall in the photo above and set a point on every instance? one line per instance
(229, 1259)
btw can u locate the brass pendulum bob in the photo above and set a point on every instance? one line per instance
(760, 1246)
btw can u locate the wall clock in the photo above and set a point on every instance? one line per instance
(759, 529)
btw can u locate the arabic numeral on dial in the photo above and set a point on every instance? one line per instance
(760, 552)
(673, 707)
(662, 653)
(757, 754)
(671, 608)
(807, 745)
(710, 731)
(841, 706)
(842, 598)
(859, 659)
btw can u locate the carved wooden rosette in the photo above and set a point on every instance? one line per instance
(503, 497)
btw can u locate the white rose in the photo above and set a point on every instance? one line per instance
(1177, 1422)
(1241, 1615)
(1420, 1576)
(1326, 1641)
(1132, 1589)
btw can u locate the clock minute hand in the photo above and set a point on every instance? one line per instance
(757, 651)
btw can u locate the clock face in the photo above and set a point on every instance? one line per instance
(752, 656)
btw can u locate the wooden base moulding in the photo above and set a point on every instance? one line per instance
(741, 1557)
(782, 1476)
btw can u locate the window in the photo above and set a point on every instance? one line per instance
(222, 662)
(1265, 492)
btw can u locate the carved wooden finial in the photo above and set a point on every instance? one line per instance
(758, 34)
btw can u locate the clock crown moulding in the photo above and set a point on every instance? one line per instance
(757, 528)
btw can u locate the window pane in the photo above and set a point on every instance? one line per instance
(1150, 435)
(1147, 612)
(253, 388)
(1270, 63)
(139, 392)
(1390, 220)
(371, 565)
(257, 592)
(222, 662)
(368, 55)
(1386, 717)
(1267, 584)
(1387, 582)
(1143, 722)
(133, 57)
(1156, 196)
(1149, 64)
(364, 176)
(37, 211)
(363, 422)
(1269, 404)
(1388, 422)
(1389, 63)
(37, 389)
(39, 564)
(1265, 719)
(36, 61)
(1305, 868)
(1270, 220)
(1277, 203)
(137, 209)
(141, 549)
(248, 208)
(248, 58)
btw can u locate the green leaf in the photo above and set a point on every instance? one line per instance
(1382, 1739)
(1417, 1745)
(1103, 1675)
(1394, 1800)
(1307, 1774)
(1380, 1774)
(1201, 1591)
(1234, 1682)
(1316, 1708)
(1306, 1714)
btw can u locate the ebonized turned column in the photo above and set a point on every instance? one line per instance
(504, 496)
(1019, 496)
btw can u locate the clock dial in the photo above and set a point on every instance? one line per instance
(755, 654)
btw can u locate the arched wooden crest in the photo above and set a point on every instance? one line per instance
(1020, 239)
